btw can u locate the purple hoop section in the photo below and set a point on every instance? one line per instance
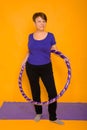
(62, 91)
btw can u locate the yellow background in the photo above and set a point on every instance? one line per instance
(67, 20)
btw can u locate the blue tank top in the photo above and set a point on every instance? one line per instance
(40, 49)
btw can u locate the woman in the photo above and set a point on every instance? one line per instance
(39, 65)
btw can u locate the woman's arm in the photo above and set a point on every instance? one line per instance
(54, 47)
(27, 55)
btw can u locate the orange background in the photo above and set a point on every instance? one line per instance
(67, 20)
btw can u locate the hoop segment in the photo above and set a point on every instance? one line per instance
(61, 92)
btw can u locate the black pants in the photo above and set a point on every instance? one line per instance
(44, 72)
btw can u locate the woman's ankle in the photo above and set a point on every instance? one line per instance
(37, 117)
(57, 121)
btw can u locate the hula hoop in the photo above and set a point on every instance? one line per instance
(61, 92)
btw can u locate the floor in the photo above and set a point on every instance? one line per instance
(25, 110)
(19, 115)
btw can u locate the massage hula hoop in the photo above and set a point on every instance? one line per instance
(61, 92)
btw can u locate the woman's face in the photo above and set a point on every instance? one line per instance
(40, 24)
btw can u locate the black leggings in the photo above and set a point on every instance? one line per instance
(44, 72)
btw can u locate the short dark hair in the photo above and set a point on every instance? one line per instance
(39, 14)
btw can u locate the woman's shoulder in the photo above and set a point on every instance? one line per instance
(51, 34)
(30, 35)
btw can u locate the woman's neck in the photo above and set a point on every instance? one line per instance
(39, 34)
(40, 31)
